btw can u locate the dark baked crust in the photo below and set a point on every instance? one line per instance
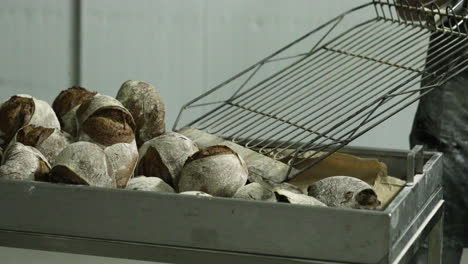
(211, 151)
(109, 126)
(43, 172)
(69, 98)
(151, 165)
(14, 114)
(61, 174)
(31, 135)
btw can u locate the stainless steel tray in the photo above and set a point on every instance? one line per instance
(188, 229)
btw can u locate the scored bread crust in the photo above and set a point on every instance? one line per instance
(21, 110)
(49, 141)
(87, 109)
(165, 156)
(22, 162)
(218, 175)
(147, 108)
(122, 158)
(85, 161)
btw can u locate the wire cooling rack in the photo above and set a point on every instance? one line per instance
(319, 96)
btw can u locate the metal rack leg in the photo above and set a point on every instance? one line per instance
(435, 244)
(427, 248)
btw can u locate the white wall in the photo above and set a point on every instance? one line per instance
(36, 47)
(188, 47)
(183, 47)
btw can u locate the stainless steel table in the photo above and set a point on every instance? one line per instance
(189, 229)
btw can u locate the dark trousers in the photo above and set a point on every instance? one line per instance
(441, 124)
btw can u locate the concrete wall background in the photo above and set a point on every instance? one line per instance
(183, 47)
(36, 47)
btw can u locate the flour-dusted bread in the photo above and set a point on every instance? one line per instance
(83, 163)
(255, 191)
(21, 110)
(147, 108)
(261, 167)
(216, 170)
(149, 184)
(196, 193)
(106, 122)
(286, 196)
(49, 141)
(123, 158)
(345, 192)
(67, 103)
(22, 162)
(164, 156)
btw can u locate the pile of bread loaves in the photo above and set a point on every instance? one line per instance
(91, 139)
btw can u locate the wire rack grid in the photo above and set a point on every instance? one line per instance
(342, 86)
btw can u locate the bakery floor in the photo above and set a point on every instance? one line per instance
(24, 256)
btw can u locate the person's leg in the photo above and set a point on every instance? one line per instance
(455, 187)
(452, 255)
(420, 257)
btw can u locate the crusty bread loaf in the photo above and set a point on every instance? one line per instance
(164, 156)
(147, 108)
(21, 110)
(216, 170)
(66, 104)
